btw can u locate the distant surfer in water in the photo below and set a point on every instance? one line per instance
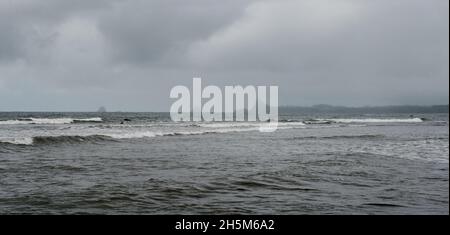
(125, 120)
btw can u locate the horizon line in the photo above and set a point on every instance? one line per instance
(280, 106)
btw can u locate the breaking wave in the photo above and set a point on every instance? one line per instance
(99, 133)
(245, 124)
(367, 120)
(341, 137)
(68, 139)
(25, 121)
(18, 141)
(44, 140)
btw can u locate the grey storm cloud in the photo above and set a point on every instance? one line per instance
(152, 31)
(25, 22)
(126, 55)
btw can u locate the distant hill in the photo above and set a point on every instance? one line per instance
(323, 108)
(101, 110)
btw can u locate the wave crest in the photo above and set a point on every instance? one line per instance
(45, 140)
(25, 121)
(372, 120)
(68, 139)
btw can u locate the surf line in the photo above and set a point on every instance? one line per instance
(233, 100)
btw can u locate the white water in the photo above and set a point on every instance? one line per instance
(24, 135)
(375, 120)
(27, 121)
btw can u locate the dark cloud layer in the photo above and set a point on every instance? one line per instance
(126, 55)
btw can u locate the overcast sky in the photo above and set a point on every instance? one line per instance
(61, 55)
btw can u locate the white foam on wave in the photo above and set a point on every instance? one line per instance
(150, 134)
(95, 119)
(125, 134)
(227, 125)
(18, 141)
(133, 135)
(26, 121)
(245, 124)
(375, 120)
(287, 124)
(133, 132)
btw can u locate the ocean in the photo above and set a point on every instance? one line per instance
(143, 163)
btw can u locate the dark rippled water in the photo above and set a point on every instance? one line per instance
(81, 163)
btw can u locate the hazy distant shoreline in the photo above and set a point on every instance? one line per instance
(368, 109)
